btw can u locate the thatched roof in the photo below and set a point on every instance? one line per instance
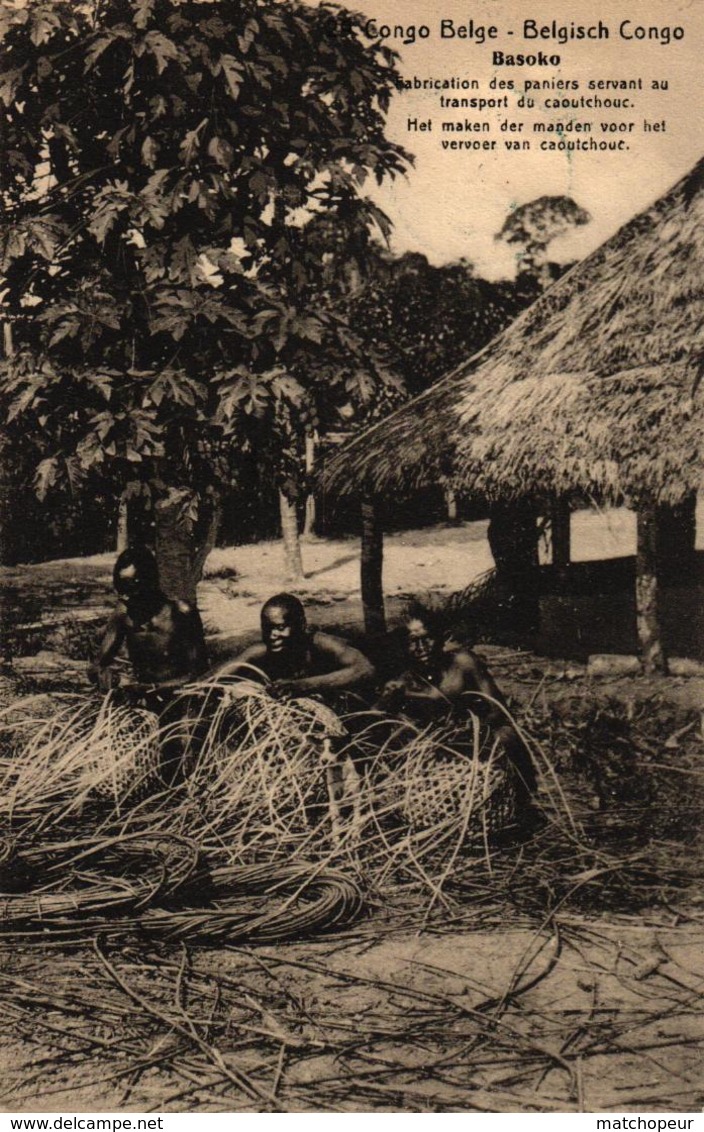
(595, 388)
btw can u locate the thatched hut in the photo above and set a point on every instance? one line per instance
(592, 392)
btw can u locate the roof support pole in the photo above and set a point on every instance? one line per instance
(513, 541)
(647, 595)
(372, 568)
(560, 517)
(677, 529)
(450, 503)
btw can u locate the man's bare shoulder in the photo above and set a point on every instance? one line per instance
(328, 642)
(322, 640)
(462, 657)
(251, 655)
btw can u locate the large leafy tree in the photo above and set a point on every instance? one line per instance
(161, 160)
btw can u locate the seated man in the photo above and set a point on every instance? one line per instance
(296, 661)
(164, 638)
(166, 647)
(444, 678)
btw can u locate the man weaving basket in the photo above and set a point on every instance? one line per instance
(296, 661)
(166, 648)
(444, 679)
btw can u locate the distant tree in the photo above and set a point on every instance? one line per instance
(424, 320)
(161, 157)
(533, 226)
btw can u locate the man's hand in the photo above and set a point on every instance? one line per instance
(105, 678)
(393, 695)
(283, 689)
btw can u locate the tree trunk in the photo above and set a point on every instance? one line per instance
(372, 567)
(513, 540)
(293, 563)
(676, 549)
(647, 605)
(309, 519)
(560, 530)
(209, 529)
(451, 504)
(123, 530)
(181, 549)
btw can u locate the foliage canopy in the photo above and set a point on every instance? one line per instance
(162, 159)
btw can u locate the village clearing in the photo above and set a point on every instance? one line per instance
(560, 973)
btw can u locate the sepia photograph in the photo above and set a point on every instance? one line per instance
(351, 558)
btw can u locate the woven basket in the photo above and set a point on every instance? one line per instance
(266, 774)
(123, 755)
(442, 787)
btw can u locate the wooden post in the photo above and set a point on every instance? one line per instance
(513, 541)
(647, 604)
(676, 549)
(372, 567)
(560, 529)
(450, 503)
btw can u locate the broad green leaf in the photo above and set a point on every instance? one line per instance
(190, 144)
(221, 151)
(14, 245)
(162, 48)
(45, 476)
(233, 72)
(42, 24)
(143, 11)
(150, 152)
(9, 84)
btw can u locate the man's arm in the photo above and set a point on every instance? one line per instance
(196, 651)
(464, 675)
(251, 659)
(351, 668)
(478, 674)
(113, 639)
(467, 676)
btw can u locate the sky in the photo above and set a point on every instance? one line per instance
(451, 204)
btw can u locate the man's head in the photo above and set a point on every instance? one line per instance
(135, 574)
(423, 633)
(283, 624)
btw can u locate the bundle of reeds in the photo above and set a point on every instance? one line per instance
(263, 781)
(72, 888)
(257, 903)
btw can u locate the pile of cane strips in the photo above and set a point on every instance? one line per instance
(285, 810)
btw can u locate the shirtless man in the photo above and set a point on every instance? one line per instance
(444, 678)
(298, 662)
(166, 648)
(164, 638)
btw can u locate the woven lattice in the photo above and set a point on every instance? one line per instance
(261, 773)
(438, 787)
(123, 754)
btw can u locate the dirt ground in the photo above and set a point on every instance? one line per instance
(487, 1003)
